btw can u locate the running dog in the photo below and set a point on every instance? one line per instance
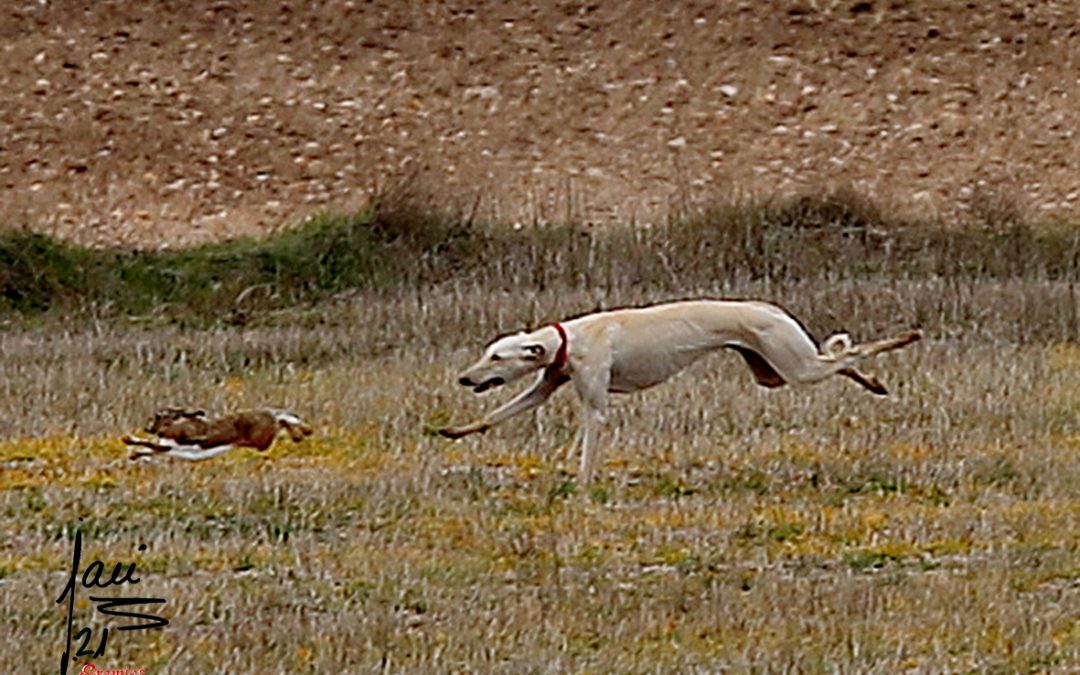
(627, 350)
(191, 435)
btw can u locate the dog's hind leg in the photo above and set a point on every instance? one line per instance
(871, 383)
(847, 351)
(888, 344)
(797, 360)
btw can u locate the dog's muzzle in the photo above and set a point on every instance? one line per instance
(481, 387)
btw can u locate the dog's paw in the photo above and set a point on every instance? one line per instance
(876, 387)
(912, 336)
(450, 432)
(459, 432)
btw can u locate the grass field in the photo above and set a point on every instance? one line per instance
(733, 529)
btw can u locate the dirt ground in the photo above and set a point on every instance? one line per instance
(163, 124)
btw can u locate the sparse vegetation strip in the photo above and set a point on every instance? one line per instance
(408, 239)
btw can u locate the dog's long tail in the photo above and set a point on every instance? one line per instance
(839, 346)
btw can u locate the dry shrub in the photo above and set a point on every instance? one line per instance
(843, 209)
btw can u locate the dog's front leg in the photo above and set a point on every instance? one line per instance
(592, 383)
(591, 452)
(532, 397)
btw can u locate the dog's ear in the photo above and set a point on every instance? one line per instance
(534, 352)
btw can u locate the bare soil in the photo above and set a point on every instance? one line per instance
(165, 124)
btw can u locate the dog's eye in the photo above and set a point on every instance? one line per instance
(496, 357)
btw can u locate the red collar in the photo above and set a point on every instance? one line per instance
(561, 354)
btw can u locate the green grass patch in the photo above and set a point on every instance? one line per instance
(325, 255)
(407, 239)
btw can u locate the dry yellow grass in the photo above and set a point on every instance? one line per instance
(732, 529)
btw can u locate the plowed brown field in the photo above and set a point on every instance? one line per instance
(162, 124)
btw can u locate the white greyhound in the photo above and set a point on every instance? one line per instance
(627, 350)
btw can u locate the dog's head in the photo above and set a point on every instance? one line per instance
(167, 420)
(505, 360)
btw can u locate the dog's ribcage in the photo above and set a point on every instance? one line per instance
(653, 351)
